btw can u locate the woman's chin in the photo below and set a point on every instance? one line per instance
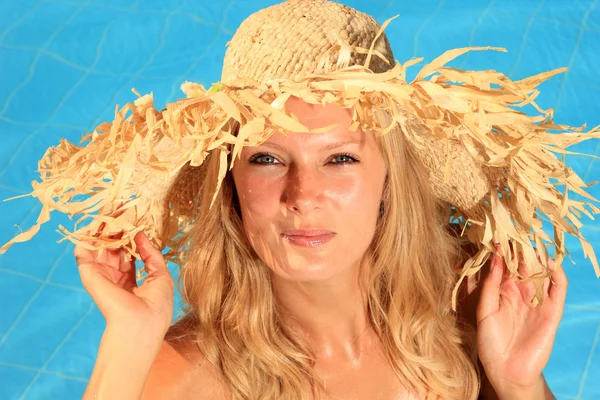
(301, 270)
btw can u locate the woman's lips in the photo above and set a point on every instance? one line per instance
(308, 239)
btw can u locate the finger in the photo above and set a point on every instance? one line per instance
(546, 281)
(126, 261)
(558, 288)
(113, 256)
(489, 300)
(527, 289)
(107, 255)
(509, 280)
(82, 253)
(151, 256)
(506, 271)
(523, 270)
(547, 273)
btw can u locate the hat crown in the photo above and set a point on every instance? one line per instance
(299, 37)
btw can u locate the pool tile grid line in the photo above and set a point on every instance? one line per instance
(482, 15)
(57, 350)
(79, 67)
(14, 324)
(525, 36)
(384, 14)
(98, 54)
(588, 363)
(585, 85)
(586, 176)
(43, 125)
(42, 371)
(98, 5)
(37, 57)
(582, 307)
(11, 189)
(220, 27)
(42, 281)
(574, 52)
(564, 396)
(420, 27)
(67, 95)
(18, 21)
(194, 17)
(63, 60)
(565, 23)
(149, 60)
(177, 83)
(501, 13)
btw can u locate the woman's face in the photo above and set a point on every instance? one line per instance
(310, 202)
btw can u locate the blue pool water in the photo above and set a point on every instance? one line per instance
(64, 64)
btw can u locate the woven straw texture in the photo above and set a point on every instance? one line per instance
(299, 37)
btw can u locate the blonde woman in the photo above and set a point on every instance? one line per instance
(324, 269)
(307, 199)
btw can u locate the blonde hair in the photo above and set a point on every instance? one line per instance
(227, 294)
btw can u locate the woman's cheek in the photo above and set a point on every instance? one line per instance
(358, 200)
(261, 197)
(350, 193)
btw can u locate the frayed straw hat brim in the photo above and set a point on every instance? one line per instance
(495, 165)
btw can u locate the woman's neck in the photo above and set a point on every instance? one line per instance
(330, 314)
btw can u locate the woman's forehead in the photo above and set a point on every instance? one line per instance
(335, 138)
(315, 116)
(318, 115)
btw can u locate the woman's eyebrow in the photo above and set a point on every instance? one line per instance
(341, 144)
(330, 146)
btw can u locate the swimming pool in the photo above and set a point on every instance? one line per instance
(65, 64)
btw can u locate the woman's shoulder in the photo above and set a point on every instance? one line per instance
(180, 371)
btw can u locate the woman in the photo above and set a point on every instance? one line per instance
(322, 264)
(324, 269)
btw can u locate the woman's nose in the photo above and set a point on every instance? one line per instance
(303, 193)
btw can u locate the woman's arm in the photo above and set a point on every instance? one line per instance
(541, 392)
(137, 316)
(125, 357)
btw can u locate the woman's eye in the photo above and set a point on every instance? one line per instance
(266, 159)
(343, 159)
(263, 159)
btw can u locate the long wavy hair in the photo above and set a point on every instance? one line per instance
(230, 308)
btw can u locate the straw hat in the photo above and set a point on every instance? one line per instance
(490, 163)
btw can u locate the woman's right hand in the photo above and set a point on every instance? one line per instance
(111, 281)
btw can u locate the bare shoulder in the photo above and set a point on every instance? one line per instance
(180, 371)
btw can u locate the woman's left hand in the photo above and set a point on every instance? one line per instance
(514, 339)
